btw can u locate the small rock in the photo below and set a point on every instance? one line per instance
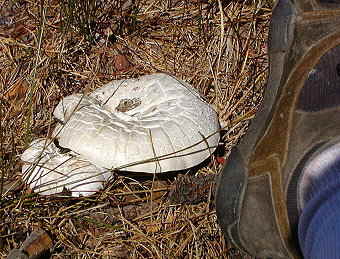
(17, 254)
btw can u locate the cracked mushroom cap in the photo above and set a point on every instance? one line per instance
(155, 123)
(48, 171)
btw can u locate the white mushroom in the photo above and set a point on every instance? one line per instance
(47, 171)
(154, 118)
(152, 124)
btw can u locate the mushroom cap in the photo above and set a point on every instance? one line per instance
(155, 123)
(48, 171)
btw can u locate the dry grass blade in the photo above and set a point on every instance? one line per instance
(49, 51)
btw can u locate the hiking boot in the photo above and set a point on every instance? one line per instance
(256, 196)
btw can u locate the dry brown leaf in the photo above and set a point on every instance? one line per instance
(17, 91)
(121, 63)
(36, 245)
